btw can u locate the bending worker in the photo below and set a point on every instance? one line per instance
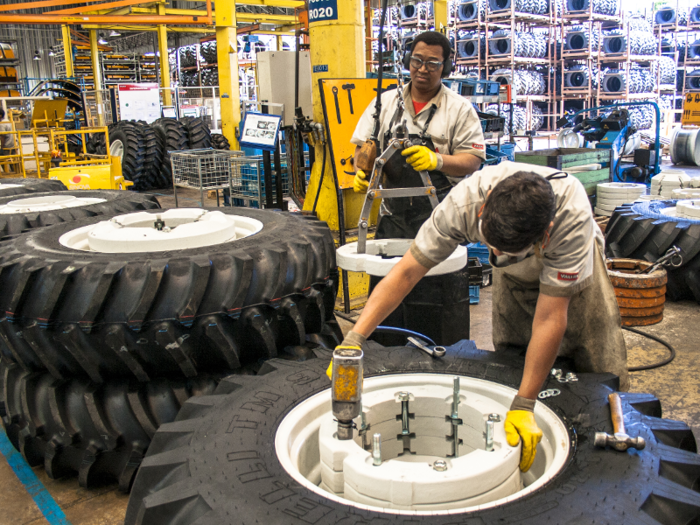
(551, 291)
(446, 125)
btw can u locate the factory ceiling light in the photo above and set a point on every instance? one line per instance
(37, 56)
(114, 33)
(102, 40)
(52, 53)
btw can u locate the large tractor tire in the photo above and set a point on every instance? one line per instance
(22, 213)
(218, 141)
(126, 141)
(10, 187)
(173, 135)
(635, 231)
(198, 134)
(101, 432)
(153, 158)
(218, 462)
(171, 312)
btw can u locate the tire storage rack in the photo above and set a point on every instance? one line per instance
(687, 49)
(527, 39)
(120, 68)
(98, 348)
(577, 59)
(196, 66)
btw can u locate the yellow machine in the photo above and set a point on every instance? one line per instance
(92, 177)
(52, 155)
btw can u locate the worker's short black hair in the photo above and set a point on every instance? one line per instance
(2, 113)
(518, 212)
(433, 38)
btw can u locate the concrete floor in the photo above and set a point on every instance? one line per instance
(677, 385)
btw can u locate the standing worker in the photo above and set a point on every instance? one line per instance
(444, 122)
(551, 291)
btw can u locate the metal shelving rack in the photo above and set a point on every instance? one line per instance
(9, 82)
(519, 22)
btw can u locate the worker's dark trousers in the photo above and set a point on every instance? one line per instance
(437, 306)
(593, 337)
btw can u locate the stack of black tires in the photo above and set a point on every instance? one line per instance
(145, 148)
(100, 349)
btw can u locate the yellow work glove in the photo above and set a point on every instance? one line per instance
(360, 184)
(520, 424)
(421, 158)
(329, 370)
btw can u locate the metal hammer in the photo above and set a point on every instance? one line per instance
(620, 440)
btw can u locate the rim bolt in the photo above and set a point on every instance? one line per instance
(440, 465)
(494, 417)
(404, 397)
(377, 450)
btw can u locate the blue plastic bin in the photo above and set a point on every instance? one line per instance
(474, 294)
(478, 249)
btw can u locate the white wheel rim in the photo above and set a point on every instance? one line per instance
(181, 229)
(373, 263)
(689, 209)
(9, 186)
(116, 149)
(303, 437)
(47, 203)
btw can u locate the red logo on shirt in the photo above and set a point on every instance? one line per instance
(567, 276)
(478, 146)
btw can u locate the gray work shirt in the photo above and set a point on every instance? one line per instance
(564, 266)
(455, 128)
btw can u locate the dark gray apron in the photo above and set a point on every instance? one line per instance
(408, 213)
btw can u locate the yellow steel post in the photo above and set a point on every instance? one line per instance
(441, 10)
(344, 60)
(97, 76)
(164, 60)
(227, 55)
(368, 36)
(67, 50)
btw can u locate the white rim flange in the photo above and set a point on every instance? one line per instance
(46, 203)
(297, 438)
(9, 186)
(116, 149)
(185, 228)
(372, 262)
(688, 208)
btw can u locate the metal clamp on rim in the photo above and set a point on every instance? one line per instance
(375, 192)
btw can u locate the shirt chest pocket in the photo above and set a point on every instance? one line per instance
(442, 144)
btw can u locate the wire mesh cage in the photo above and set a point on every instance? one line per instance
(203, 169)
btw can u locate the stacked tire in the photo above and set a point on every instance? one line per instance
(100, 347)
(646, 230)
(528, 45)
(198, 134)
(173, 135)
(136, 150)
(524, 82)
(208, 50)
(218, 141)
